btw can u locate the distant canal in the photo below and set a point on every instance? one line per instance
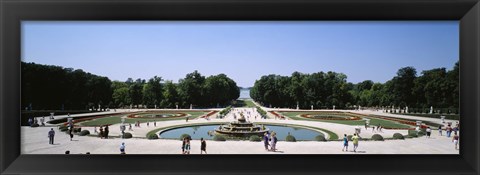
(245, 93)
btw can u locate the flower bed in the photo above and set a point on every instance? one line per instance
(277, 115)
(329, 117)
(209, 114)
(139, 116)
(406, 122)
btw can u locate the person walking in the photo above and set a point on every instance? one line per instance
(203, 146)
(122, 148)
(106, 132)
(455, 140)
(51, 135)
(355, 142)
(449, 131)
(155, 123)
(184, 142)
(70, 131)
(101, 132)
(273, 142)
(429, 132)
(42, 121)
(265, 140)
(440, 130)
(187, 147)
(345, 142)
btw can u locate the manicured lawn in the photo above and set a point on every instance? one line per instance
(244, 103)
(373, 121)
(118, 119)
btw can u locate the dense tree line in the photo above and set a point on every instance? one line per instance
(54, 87)
(436, 87)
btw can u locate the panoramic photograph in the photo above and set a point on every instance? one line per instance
(240, 87)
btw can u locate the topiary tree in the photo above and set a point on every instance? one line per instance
(84, 133)
(255, 138)
(290, 138)
(377, 137)
(412, 133)
(421, 133)
(185, 136)
(219, 138)
(152, 136)
(398, 136)
(75, 130)
(320, 138)
(127, 135)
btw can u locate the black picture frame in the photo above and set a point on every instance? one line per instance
(14, 11)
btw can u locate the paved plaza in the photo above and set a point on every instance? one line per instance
(35, 141)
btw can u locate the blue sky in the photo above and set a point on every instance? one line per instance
(244, 51)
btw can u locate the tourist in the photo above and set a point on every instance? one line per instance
(345, 143)
(429, 132)
(184, 142)
(381, 127)
(455, 140)
(203, 146)
(122, 148)
(355, 142)
(130, 127)
(101, 132)
(265, 140)
(42, 120)
(30, 121)
(366, 126)
(187, 146)
(440, 130)
(51, 135)
(70, 131)
(449, 130)
(186, 119)
(155, 123)
(148, 124)
(106, 132)
(273, 142)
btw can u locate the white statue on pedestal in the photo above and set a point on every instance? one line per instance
(431, 109)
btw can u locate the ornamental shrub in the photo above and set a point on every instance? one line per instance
(255, 138)
(219, 138)
(412, 133)
(398, 136)
(421, 133)
(377, 137)
(35, 125)
(290, 138)
(185, 136)
(127, 135)
(75, 130)
(152, 136)
(320, 138)
(84, 133)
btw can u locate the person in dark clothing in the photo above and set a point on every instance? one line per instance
(106, 132)
(71, 133)
(203, 147)
(184, 141)
(265, 141)
(51, 135)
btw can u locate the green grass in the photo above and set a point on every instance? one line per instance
(244, 103)
(373, 121)
(118, 119)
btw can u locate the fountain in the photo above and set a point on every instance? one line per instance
(241, 128)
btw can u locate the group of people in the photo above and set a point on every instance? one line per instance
(32, 121)
(103, 134)
(449, 130)
(270, 140)
(354, 139)
(379, 127)
(186, 146)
